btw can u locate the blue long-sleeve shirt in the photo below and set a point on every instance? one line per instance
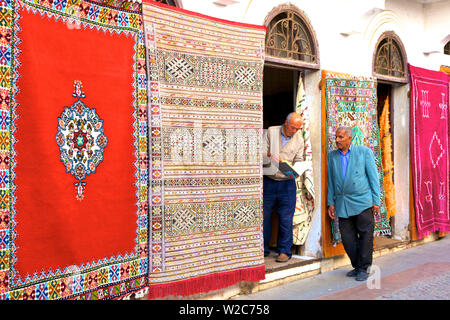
(344, 161)
(360, 190)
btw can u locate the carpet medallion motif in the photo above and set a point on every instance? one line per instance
(80, 139)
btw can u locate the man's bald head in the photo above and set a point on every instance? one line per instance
(293, 123)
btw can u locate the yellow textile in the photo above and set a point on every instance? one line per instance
(386, 158)
(445, 69)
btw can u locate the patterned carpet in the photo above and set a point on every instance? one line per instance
(73, 114)
(352, 101)
(205, 165)
(429, 136)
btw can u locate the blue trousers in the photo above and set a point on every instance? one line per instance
(282, 194)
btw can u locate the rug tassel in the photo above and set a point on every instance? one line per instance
(427, 233)
(206, 283)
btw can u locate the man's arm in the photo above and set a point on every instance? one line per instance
(330, 191)
(372, 175)
(300, 155)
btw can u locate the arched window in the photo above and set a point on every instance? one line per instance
(289, 38)
(390, 59)
(447, 48)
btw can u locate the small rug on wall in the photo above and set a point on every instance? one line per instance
(429, 149)
(205, 120)
(305, 205)
(352, 101)
(73, 190)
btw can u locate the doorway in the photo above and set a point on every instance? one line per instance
(279, 97)
(385, 100)
(279, 91)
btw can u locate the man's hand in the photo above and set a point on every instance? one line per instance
(331, 212)
(275, 157)
(376, 210)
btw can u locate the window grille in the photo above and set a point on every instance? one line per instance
(389, 59)
(288, 37)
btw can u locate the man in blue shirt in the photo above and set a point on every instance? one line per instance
(344, 160)
(354, 197)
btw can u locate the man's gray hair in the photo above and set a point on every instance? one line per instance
(289, 116)
(348, 131)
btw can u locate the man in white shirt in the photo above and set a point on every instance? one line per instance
(282, 143)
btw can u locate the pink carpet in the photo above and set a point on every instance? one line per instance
(429, 149)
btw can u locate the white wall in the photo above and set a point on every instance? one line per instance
(401, 150)
(421, 25)
(347, 32)
(437, 30)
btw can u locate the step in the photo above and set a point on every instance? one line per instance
(298, 267)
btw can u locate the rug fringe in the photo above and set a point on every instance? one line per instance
(382, 233)
(426, 233)
(204, 284)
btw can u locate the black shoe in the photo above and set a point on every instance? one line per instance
(352, 273)
(362, 276)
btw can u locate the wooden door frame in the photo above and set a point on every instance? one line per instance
(329, 250)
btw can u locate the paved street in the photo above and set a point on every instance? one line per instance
(418, 273)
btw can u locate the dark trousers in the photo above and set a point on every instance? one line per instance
(357, 238)
(283, 194)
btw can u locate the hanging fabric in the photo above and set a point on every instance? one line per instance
(386, 158)
(429, 132)
(205, 102)
(352, 101)
(73, 151)
(445, 69)
(304, 208)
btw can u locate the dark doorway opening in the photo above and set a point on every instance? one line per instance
(278, 95)
(384, 92)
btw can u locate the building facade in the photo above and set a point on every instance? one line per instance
(376, 38)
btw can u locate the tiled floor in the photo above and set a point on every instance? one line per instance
(420, 272)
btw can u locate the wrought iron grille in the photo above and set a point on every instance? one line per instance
(447, 48)
(389, 59)
(288, 37)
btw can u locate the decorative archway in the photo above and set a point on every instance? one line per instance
(290, 39)
(389, 59)
(447, 48)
